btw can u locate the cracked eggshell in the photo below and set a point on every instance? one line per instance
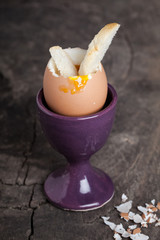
(139, 236)
(124, 198)
(108, 223)
(117, 236)
(60, 96)
(124, 207)
(137, 218)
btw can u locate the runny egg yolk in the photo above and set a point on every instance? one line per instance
(75, 84)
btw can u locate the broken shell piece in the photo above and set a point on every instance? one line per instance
(124, 207)
(119, 228)
(143, 210)
(149, 218)
(149, 205)
(117, 236)
(137, 218)
(129, 231)
(132, 227)
(124, 198)
(144, 217)
(126, 234)
(131, 215)
(151, 208)
(153, 201)
(158, 205)
(137, 230)
(154, 209)
(125, 216)
(105, 218)
(108, 223)
(139, 236)
(153, 218)
(158, 223)
(144, 224)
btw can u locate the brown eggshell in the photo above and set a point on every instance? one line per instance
(87, 101)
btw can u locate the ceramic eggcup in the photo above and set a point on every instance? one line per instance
(78, 186)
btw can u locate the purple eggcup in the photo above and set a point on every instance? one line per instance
(78, 186)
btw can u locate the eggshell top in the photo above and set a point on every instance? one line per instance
(75, 96)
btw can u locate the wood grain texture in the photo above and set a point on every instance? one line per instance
(132, 154)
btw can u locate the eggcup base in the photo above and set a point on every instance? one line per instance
(70, 190)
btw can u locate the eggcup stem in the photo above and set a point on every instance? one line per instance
(79, 187)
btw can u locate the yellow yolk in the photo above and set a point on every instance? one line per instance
(75, 84)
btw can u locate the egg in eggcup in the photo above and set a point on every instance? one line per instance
(75, 83)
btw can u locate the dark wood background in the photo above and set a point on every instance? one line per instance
(132, 154)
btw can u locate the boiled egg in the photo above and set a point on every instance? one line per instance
(74, 95)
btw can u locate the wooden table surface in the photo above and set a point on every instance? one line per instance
(131, 155)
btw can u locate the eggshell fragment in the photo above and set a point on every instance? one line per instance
(137, 230)
(117, 236)
(125, 216)
(148, 216)
(154, 209)
(137, 218)
(144, 224)
(142, 209)
(131, 215)
(119, 228)
(158, 205)
(158, 223)
(153, 201)
(108, 223)
(139, 236)
(129, 231)
(126, 234)
(124, 207)
(124, 198)
(132, 227)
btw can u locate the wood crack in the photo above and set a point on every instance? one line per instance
(31, 225)
(26, 155)
(31, 197)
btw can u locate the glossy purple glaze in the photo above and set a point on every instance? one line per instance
(78, 186)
